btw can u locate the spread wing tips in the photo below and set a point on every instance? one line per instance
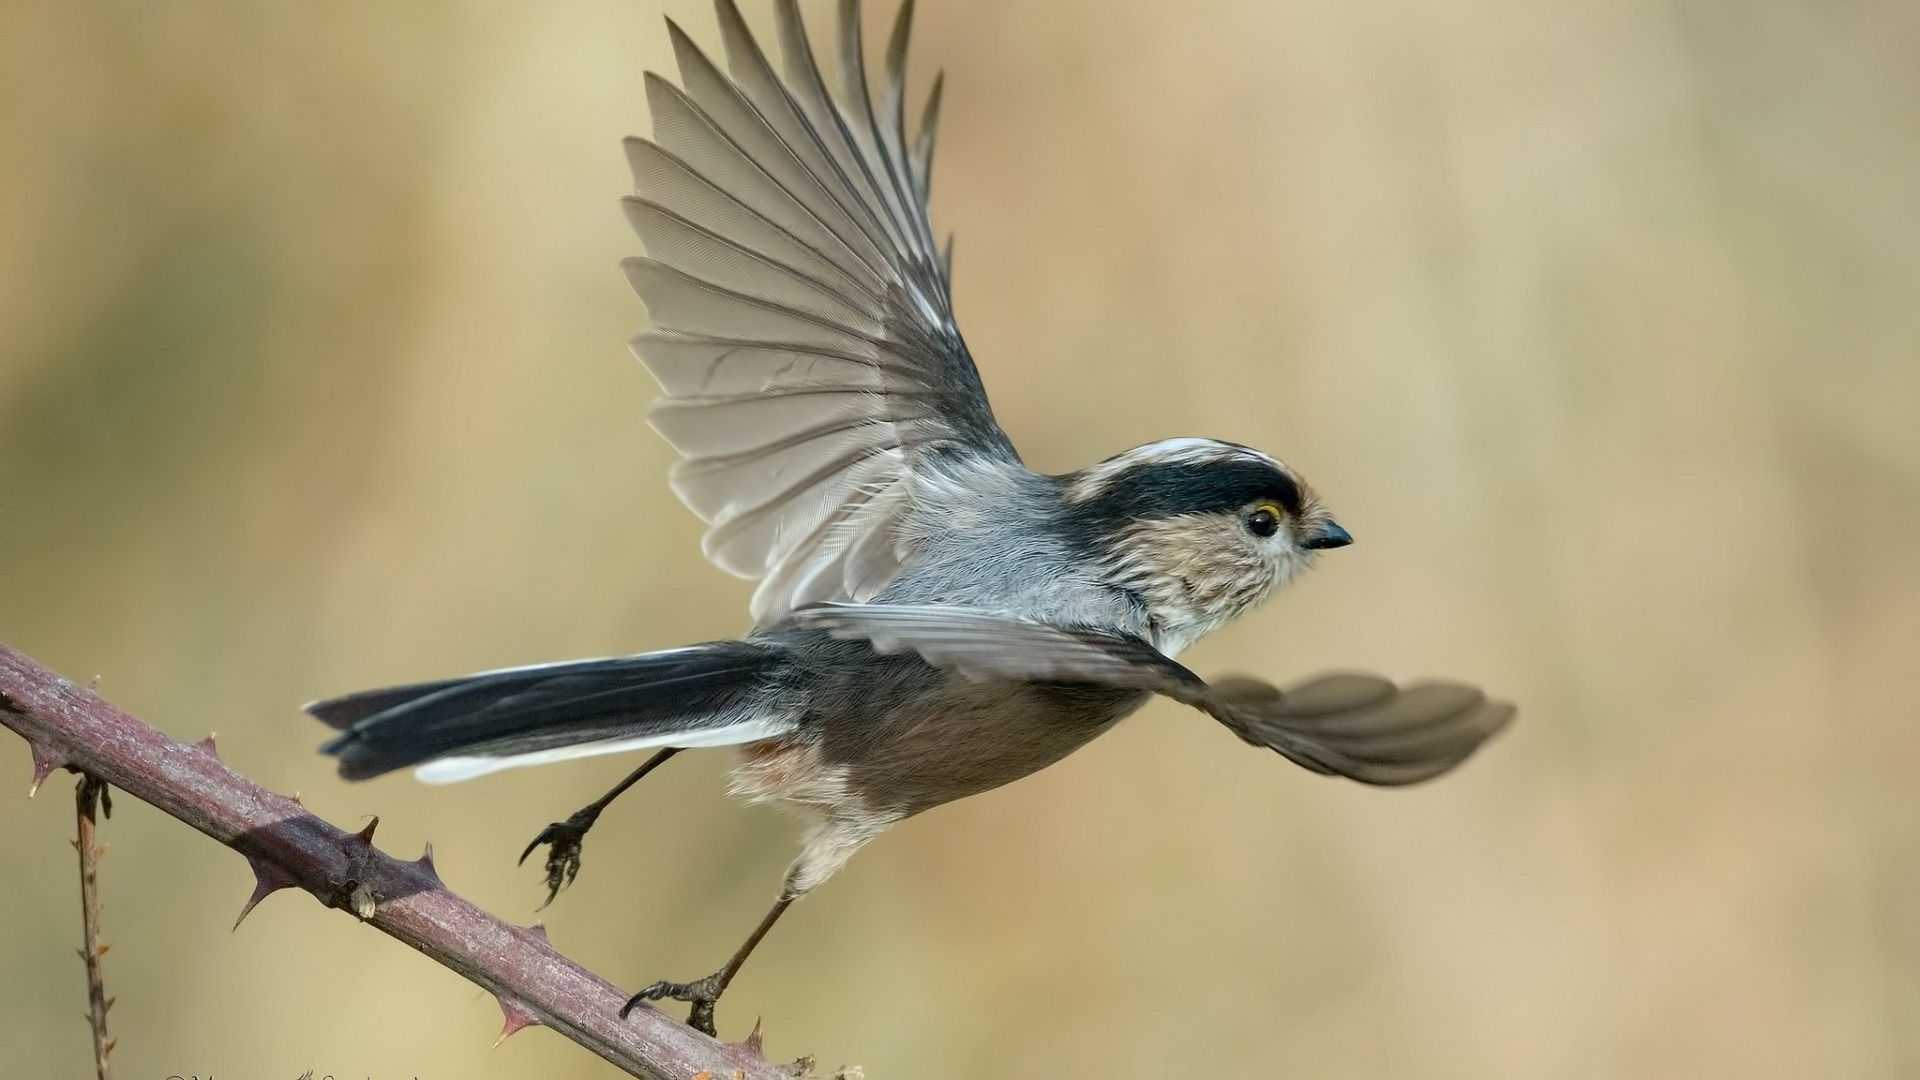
(922, 160)
(1363, 727)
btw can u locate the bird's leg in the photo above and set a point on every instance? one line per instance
(563, 858)
(830, 842)
(703, 993)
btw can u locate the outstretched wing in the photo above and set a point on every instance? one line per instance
(802, 324)
(1358, 726)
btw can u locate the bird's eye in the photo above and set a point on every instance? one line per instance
(1265, 520)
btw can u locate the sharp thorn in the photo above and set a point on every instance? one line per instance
(268, 878)
(516, 1018)
(46, 760)
(425, 863)
(207, 745)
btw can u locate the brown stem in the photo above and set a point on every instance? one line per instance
(66, 725)
(89, 796)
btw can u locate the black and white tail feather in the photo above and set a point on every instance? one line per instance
(457, 729)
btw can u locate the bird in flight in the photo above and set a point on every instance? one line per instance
(933, 619)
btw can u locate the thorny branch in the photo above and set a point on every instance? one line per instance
(67, 726)
(90, 797)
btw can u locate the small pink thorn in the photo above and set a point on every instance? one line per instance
(296, 799)
(751, 1044)
(207, 745)
(539, 930)
(45, 760)
(425, 862)
(517, 1019)
(268, 879)
(365, 835)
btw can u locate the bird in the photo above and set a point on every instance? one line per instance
(932, 618)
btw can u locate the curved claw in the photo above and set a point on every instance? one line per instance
(563, 859)
(702, 994)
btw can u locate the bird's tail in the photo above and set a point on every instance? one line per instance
(701, 695)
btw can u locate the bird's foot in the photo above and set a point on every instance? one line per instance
(563, 857)
(702, 994)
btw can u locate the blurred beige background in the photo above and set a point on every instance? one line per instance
(1598, 321)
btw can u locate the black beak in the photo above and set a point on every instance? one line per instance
(1331, 535)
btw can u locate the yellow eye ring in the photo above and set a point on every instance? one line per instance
(1264, 520)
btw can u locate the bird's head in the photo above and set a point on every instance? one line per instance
(1201, 530)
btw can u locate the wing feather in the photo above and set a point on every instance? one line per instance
(893, 134)
(736, 121)
(757, 79)
(863, 126)
(1358, 726)
(683, 128)
(692, 305)
(712, 257)
(674, 184)
(827, 118)
(803, 327)
(922, 160)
